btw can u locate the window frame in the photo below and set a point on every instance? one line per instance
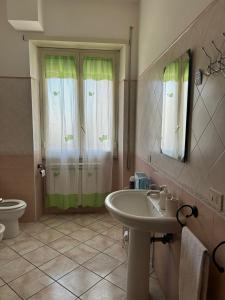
(79, 54)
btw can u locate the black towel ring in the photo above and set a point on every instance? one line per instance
(219, 268)
(194, 212)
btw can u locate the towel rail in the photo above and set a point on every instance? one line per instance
(194, 212)
(219, 268)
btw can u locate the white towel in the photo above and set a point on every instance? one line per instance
(194, 268)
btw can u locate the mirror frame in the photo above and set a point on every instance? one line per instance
(187, 125)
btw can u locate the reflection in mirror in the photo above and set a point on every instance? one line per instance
(176, 85)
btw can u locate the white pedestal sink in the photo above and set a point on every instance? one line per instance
(142, 215)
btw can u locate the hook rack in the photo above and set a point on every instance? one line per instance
(218, 65)
(220, 269)
(194, 212)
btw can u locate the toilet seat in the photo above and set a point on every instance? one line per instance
(11, 204)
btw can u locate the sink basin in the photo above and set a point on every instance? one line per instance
(136, 210)
(142, 215)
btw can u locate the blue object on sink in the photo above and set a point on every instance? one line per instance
(142, 181)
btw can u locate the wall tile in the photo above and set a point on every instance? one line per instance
(200, 118)
(206, 153)
(210, 145)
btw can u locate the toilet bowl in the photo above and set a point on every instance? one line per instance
(2, 229)
(10, 211)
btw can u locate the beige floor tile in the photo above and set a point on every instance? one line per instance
(105, 224)
(81, 253)
(58, 267)
(108, 219)
(53, 222)
(68, 227)
(6, 255)
(100, 242)
(104, 290)
(68, 217)
(22, 236)
(84, 220)
(83, 234)
(119, 276)
(40, 256)
(63, 244)
(14, 269)
(79, 280)
(117, 251)
(102, 264)
(96, 216)
(6, 293)
(99, 227)
(103, 215)
(48, 236)
(53, 292)
(30, 283)
(114, 233)
(33, 228)
(46, 217)
(26, 245)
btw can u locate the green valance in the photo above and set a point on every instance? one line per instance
(171, 72)
(185, 68)
(177, 70)
(97, 68)
(58, 66)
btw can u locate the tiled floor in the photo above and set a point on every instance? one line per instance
(67, 257)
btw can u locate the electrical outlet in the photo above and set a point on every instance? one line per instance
(216, 199)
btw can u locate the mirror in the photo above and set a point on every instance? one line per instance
(176, 93)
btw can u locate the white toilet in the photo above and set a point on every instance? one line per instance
(10, 211)
(2, 229)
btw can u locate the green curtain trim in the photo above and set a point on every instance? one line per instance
(93, 200)
(175, 69)
(72, 200)
(185, 68)
(60, 67)
(98, 68)
(171, 72)
(62, 201)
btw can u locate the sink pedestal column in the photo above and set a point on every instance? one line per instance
(138, 265)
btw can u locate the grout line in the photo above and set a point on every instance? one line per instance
(62, 254)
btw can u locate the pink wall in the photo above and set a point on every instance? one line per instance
(206, 147)
(18, 175)
(209, 227)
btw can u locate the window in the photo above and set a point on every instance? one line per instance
(78, 126)
(78, 104)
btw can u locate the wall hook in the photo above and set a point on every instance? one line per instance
(209, 69)
(219, 268)
(217, 49)
(210, 58)
(194, 212)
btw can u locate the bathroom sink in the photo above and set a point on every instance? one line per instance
(142, 215)
(136, 210)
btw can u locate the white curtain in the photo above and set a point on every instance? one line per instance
(78, 133)
(174, 114)
(98, 140)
